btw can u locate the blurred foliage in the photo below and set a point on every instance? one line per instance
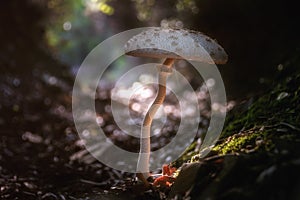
(189, 5)
(144, 9)
(257, 35)
(78, 26)
(75, 27)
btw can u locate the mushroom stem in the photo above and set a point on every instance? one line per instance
(144, 154)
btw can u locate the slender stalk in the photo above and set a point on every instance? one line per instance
(144, 154)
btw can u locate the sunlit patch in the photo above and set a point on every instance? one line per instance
(169, 109)
(67, 26)
(93, 6)
(146, 78)
(142, 98)
(146, 93)
(136, 86)
(105, 8)
(137, 97)
(216, 106)
(137, 92)
(123, 93)
(80, 143)
(188, 95)
(210, 82)
(99, 120)
(177, 113)
(136, 107)
(85, 133)
(223, 108)
(156, 131)
(189, 111)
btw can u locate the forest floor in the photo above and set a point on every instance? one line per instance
(256, 157)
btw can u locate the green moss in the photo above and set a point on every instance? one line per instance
(265, 124)
(281, 104)
(246, 142)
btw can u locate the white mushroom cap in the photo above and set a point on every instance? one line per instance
(176, 44)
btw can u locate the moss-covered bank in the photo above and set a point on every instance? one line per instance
(258, 154)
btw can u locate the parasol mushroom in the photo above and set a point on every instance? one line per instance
(169, 44)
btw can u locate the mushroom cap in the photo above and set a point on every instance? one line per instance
(176, 44)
